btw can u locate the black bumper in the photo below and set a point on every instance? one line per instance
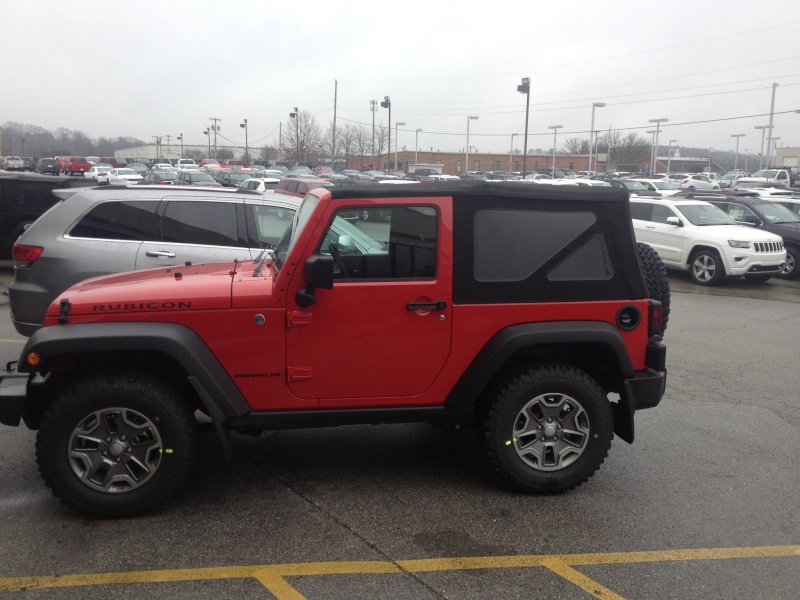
(646, 388)
(13, 393)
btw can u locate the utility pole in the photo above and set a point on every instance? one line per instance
(333, 148)
(215, 128)
(180, 139)
(373, 106)
(168, 138)
(770, 138)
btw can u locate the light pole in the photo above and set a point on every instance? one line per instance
(396, 125)
(652, 149)
(416, 145)
(736, 159)
(180, 139)
(296, 116)
(208, 135)
(215, 129)
(745, 160)
(773, 151)
(22, 142)
(466, 155)
(710, 150)
(555, 129)
(658, 123)
(387, 103)
(246, 150)
(763, 128)
(511, 153)
(669, 155)
(525, 88)
(591, 132)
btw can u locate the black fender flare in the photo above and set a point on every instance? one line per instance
(507, 342)
(217, 391)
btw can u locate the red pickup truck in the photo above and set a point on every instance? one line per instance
(77, 164)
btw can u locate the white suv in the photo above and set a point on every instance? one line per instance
(695, 236)
(697, 181)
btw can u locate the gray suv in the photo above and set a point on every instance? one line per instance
(97, 231)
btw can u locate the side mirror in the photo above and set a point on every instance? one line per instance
(317, 273)
(674, 221)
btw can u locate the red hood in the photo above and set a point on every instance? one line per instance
(196, 287)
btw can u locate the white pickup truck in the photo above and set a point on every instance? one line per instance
(771, 176)
(13, 163)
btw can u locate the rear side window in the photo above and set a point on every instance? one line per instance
(201, 223)
(130, 220)
(640, 211)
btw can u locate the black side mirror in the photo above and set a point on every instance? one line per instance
(317, 273)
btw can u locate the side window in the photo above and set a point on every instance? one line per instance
(740, 212)
(201, 223)
(400, 244)
(640, 211)
(661, 214)
(130, 220)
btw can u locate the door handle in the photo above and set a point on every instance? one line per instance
(440, 305)
(160, 254)
(650, 226)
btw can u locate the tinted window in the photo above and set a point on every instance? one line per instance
(640, 210)
(661, 214)
(201, 223)
(510, 245)
(130, 220)
(266, 224)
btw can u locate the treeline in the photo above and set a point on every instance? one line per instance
(31, 140)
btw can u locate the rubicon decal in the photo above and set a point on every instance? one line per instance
(141, 306)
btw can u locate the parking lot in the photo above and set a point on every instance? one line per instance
(702, 505)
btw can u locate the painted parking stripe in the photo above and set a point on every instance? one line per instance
(273, 577)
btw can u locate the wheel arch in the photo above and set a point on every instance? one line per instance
(706, 246)
(171, 351)
(595, 347)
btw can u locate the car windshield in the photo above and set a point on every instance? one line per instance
(777, 213)
(766, 173)
(239, 176)
(126, 172)
(202, 177)
(665, 185)
(165, 175)
(703, 215)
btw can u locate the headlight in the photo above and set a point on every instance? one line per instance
(736, 244)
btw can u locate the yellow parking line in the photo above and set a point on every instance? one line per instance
(13, 341)
(273, 576)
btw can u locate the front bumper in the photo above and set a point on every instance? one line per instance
(13, 394)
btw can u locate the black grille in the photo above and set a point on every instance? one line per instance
(768, 246)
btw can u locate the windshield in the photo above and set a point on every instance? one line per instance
(777, 213)
(665, 185)
(766, 173)
(705, 214)
(126, 172)
(291, 234)
(634, 186)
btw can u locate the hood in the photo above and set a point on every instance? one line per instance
(790, 232)
(742, 233)
(187, 288)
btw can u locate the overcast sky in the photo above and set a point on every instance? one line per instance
(149, 68)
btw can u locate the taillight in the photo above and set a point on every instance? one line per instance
(654, 318)
(25, 253)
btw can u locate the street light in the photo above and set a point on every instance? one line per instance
(669, 156)
(416, 145)
(466, 155)
(246, 150)
(652, 148)
(511, 153)
(710, 150)
(208, 134)
(396, 125)
(387, 103)
(763, 128)
(555, 129)
(180, 139)
(658, 123)
(295, 115)
(736, 159)
(525, 88)
(591, 133)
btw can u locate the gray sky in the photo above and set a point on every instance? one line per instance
(155, 68)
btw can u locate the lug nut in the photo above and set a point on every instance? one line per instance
(107, 440)
(122, 438)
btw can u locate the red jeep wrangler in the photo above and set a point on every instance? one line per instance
(511, 308)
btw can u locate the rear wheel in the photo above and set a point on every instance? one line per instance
(116, 444)
(656, 279)
(706, 268)
(546, 429)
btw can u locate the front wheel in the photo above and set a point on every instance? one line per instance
(116, 444)
(706, 268)
(789, 270)
(546, 429)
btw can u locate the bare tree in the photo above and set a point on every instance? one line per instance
(576, 146)
(381, 138)
(362, 141)
(630, 152)
(305, 136)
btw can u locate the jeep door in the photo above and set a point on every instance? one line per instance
(382, 333)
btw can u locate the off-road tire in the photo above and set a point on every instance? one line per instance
(70, 443)
(656, 279)
(706, 267)
(513, 405)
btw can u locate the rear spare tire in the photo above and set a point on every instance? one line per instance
(656, 279)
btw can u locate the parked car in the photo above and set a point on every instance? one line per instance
(230, 178)
(47, 165)
(728, 180)
(697, 181)
(300, 187)
(208, 161)
(767, 176)
(113, 161)
(260, 184)
(98, 172)
(77, 165)
(189, 177)
(123, 176)
(140, 168)
(695, 236)
(186, 163)
(109, 230)
(13, 163)
(634, 187)
(158, 178)
(769, 216)
(659, 186)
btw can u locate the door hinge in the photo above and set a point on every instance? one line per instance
(298, 374)
(298, 319)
